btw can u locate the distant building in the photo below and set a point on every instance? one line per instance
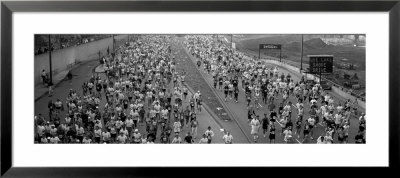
(345, 65)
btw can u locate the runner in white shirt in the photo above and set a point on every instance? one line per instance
(321, 140)
(121, 138)
(288, 134)
(86, 140)
(311, 121)
(203, 139)
(106, 136)
(255, 126)
(54, 140)
(177, 139)
(228, 138)
(209, 133)
(136, 136)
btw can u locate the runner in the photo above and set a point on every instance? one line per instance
(177, 139)
(255, 126)
(194, 125)
(272, 133)
(189, 138)
(204, 139)
(228, 138)
(209, 133)
(265, 124)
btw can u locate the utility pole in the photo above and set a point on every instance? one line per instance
(113, 43)
(301, 56)
(51, 69)
(59, 39)
(113, 50)
(231, 45)
(231, 41)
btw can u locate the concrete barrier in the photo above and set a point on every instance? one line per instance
(66, 58)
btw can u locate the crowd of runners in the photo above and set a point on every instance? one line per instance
(141, 88)
(294, 108)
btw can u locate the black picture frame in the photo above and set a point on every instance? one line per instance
(8, 7)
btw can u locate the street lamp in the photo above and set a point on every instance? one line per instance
(51, 70)
(113, 50)
(113, 43)
(301, 57)
(231, 45)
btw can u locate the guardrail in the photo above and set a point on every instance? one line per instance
(337, 89)
(341, 87)
(292, 66)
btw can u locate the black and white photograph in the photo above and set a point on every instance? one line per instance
(199, 89)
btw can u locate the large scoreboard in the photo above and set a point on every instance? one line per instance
(321, 64)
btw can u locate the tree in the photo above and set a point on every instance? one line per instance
(355, 77)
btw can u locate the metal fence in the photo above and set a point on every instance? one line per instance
(60, 41)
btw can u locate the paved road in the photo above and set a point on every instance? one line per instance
(196, 81)
(240, 110)
(238, 125)
(83, 74)
(337, 98)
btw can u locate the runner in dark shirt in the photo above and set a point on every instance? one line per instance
(188, 138)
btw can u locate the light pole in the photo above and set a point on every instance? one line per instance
(231, 41)
(113, 43)
(301, 56)
(113, 50)
(232, 45)
(51, 69)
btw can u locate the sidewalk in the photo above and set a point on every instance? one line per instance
(80, 73)
(42, 90)
(99, 69)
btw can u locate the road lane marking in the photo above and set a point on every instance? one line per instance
(298, 141)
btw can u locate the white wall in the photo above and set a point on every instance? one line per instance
(64, 57)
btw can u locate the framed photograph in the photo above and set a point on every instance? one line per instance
(112, 88)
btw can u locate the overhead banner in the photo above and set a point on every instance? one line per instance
(270, 46)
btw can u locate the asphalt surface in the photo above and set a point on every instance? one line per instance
(228, 115)
(83, 73)
(240, 110)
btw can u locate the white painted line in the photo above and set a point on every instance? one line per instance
(298, 141)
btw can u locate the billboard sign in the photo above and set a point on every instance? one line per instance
(270, 46)
(321, 64)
